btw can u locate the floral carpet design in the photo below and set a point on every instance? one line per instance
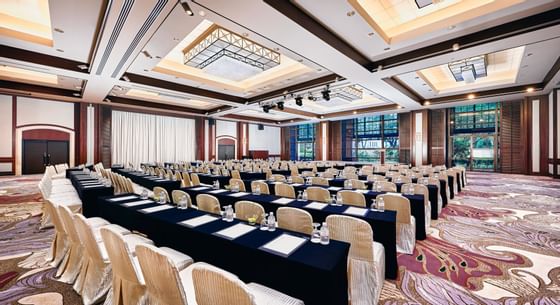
(497, 242)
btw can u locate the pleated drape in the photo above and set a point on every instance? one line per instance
(138, 137)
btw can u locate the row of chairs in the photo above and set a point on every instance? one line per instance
(55, 187)
(366, 261)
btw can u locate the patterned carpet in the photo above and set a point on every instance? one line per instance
(497, 242)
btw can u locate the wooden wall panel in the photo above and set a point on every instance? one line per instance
(437, 137)
(104, 133)
(199, 134)
(285, 143)
(318, 141)
(405, 137)
(512, 150)
(335, 147)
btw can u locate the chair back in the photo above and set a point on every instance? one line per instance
(284, 190)
(208, 203)
(294, 219)
(356, 232)
(358, 184)
(387, 186)
(88, 239)
(279, 178)
(67, 219)
(194, 179)
(53, 212)
(351, 176)
(121, 256)
(319, 181)
(246, 209)
(263, 187)
(397, 203)
(353, 198)
(163, 282)
(419, 189)
(238, 182)
(235, 174)
(213, 286)
(308, 174)
(298, 179)
(178, 194)
(160, 191)
(318, 194)
(186, 179)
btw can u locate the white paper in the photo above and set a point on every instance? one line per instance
(297, 184)
(235, 231)
(239, 194)
(136, 203)
(161, 180)
(362, 191)
(217, 191)
(356, 211)
(92, 185)
(284, 244)
(197, 221)
(391, 193)
(316, 205)
(283, 200)
(123, 198)
(157, 208)
(334, 188)
(200, 188)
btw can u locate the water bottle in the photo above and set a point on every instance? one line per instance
(258, 190)
(229, 213)
(289, 180)
(338, 199)
(304, 196)
(144, 194)
(325, 234)
(333, 200)
(381, 204)
(271, 222)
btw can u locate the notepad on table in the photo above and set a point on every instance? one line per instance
(92, 185)
(362, 191)
(217, 191)
(334, 188)
(356, 211)
(235, 231)
(283, 200)
(392, 193)
(239, 194)
(137, 203)
(197, 221)
(157, 208)
(316, 205)
(200, 188)
(297, 184)
(161, 180)
(123, 198)
(284, 245)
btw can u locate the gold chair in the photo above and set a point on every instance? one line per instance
(318, 194)
(406, 224)
(186, 180)
(422, 190)
(353, 198)
(208, 203)
(308, 174)
(435, 182)
(284, 190)
(319, 181)
(176, 195)
(298, 179)
(160, 191)
(246, 209)
(294, 219)
(387, 186)
(195, 181)
(263, 186)
(366, 259)
(73, 263)
(235, 174)
(358, 184)
(238, 182)
(60, 243)
(279, 178)
(351, 176)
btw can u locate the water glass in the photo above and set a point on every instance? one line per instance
(144, 194)
(264, 224)
(333, 201)
(299, 196)
(381, 204)
(373, 206)
(316, 234)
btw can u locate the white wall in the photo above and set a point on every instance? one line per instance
(36, 111)
(5, 126)
(267, 139)
(226, 128)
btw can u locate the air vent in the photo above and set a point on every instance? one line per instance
(147, 24)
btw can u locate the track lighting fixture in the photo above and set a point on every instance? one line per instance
(186, 7)
(299, 101)
(280, 105)
(311, 97)
(326, 93)
(266, 108)
(125, 78)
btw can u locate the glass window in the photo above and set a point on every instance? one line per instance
(365, 138)
(302, 142)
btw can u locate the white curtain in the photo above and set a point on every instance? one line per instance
(139, 138)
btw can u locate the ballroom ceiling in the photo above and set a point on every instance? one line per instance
(279, 62)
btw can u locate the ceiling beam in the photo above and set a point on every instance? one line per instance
(140, 103)
(38, 89)
(327, 79)
(42, 59)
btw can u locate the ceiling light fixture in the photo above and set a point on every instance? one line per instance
(280, 105)
(427, 103)
(530, 89)
(186, 7)
(76, 94)
(125, 78)
(202, 13)
(322, 117)
(355, 112)
(469, 69)
(147, 54)
(83, 67)
(470, 96)
(455, 47)
(311, 97)
(299, 101)
(326, 93)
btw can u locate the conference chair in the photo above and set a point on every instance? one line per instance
(246, 209)
(406, 224)
(318, 194)
(177, 195)
(435, 182)
(160, 191)
(366, 258)
(358, 184)
(374, 177)
(69, 270)
(165, 273)
(308, 174)
(214, 286)
(353, 198)
(351, 176)
(60, 244)
(319, 181)
(279, 178)
(208, 203)
(422, 190)
(295, 219)
(298, 179)
(195, 181)
(263, 186)
(186, 180)
(284, 190)
(235, 174)
(387, 186)
(238, 182)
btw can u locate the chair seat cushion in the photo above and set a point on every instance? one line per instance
(268, 296)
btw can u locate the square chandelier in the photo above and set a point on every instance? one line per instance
(469, 69)
(217, 44)
(349, 93)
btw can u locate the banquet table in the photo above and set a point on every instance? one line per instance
(383, 223)
(313, 273)
(89, 190)
(149, 181)
(283, 172)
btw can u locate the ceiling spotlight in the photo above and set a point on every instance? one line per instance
(322, 117)
(266, 108)
(399, 107)
(451, 122)
(426, 103)
(455, 47)
(326, 93)
(75, 94)
(530, 89)
(202, 13)
(125, 78)
(470, 96)
(310, 97)
(83, 67)
(280, 105)
(106, 100)
(147, 54)
(299, 101)
(186, 7)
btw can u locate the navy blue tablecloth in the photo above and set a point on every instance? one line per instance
(88, 195)
(148, 181)
(283, 172)
(313, 273)
(383, 223)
